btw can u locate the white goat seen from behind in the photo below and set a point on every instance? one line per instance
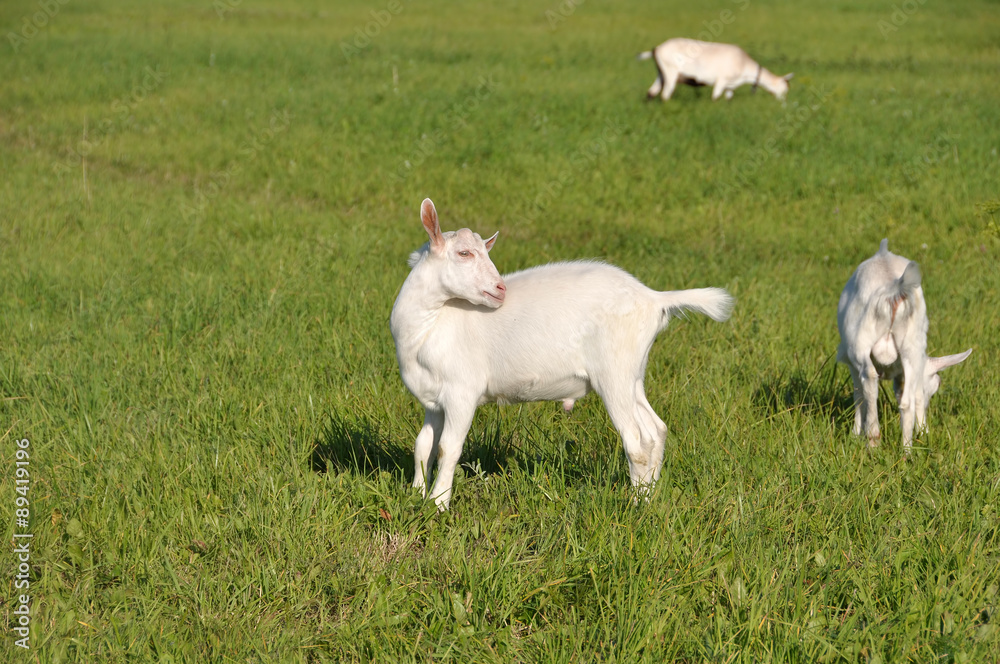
(883, 335)
(465, 336)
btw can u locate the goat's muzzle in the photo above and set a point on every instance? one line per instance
(499, 294)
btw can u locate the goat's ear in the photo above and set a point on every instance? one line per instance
(492, 241)
(789, 77)
(429, 218)
(936, 364)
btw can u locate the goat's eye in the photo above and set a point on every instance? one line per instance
(464, 253)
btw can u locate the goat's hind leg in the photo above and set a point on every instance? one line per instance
(653, 433)
(654, 89)
(868, 379)
(859, 401)
(633, 424)
(912, 404)
(670, 77)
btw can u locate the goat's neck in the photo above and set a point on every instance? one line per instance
(417, 309)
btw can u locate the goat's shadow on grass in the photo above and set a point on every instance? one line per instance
(495, 444)
(821, 394)
(529, 442)
(359, 445)
(367, 447)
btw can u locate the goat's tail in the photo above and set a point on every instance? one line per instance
(645, 55)
(715, 303)
(899, 296)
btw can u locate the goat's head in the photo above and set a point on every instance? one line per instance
(462, 261)
(781, 86)
(932, 381)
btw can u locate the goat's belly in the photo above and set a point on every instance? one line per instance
(693, 82)
(568, 387)
(884, 351)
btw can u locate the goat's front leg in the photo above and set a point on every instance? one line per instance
(426, 448)
(457, 420)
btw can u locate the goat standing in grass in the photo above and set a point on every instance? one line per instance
(725, 67)
(883, 325)
(465, 336)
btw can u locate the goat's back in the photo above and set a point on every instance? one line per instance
(588, 288)
(883, 294)
(562, 314)
(706, 60)
(560, 299)
(563, 328)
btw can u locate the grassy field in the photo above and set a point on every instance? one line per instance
(205, 215)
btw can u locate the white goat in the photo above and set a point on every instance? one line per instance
(883, 335)
(723, 66)
(465, 336)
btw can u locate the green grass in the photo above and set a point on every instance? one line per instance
(204, 221)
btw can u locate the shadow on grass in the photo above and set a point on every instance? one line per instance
(349, 444)
(503, 442)
(362, 446)
(489, 447)
(821, 394)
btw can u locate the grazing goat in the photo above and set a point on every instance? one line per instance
(723, 66)
(883, 335)
(465, 336)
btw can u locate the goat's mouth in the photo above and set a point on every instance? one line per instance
(494, 299)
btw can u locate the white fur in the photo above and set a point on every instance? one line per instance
(883, 335)
(725, 67)
(465, 337)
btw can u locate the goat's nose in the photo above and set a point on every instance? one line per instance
(501, 287)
